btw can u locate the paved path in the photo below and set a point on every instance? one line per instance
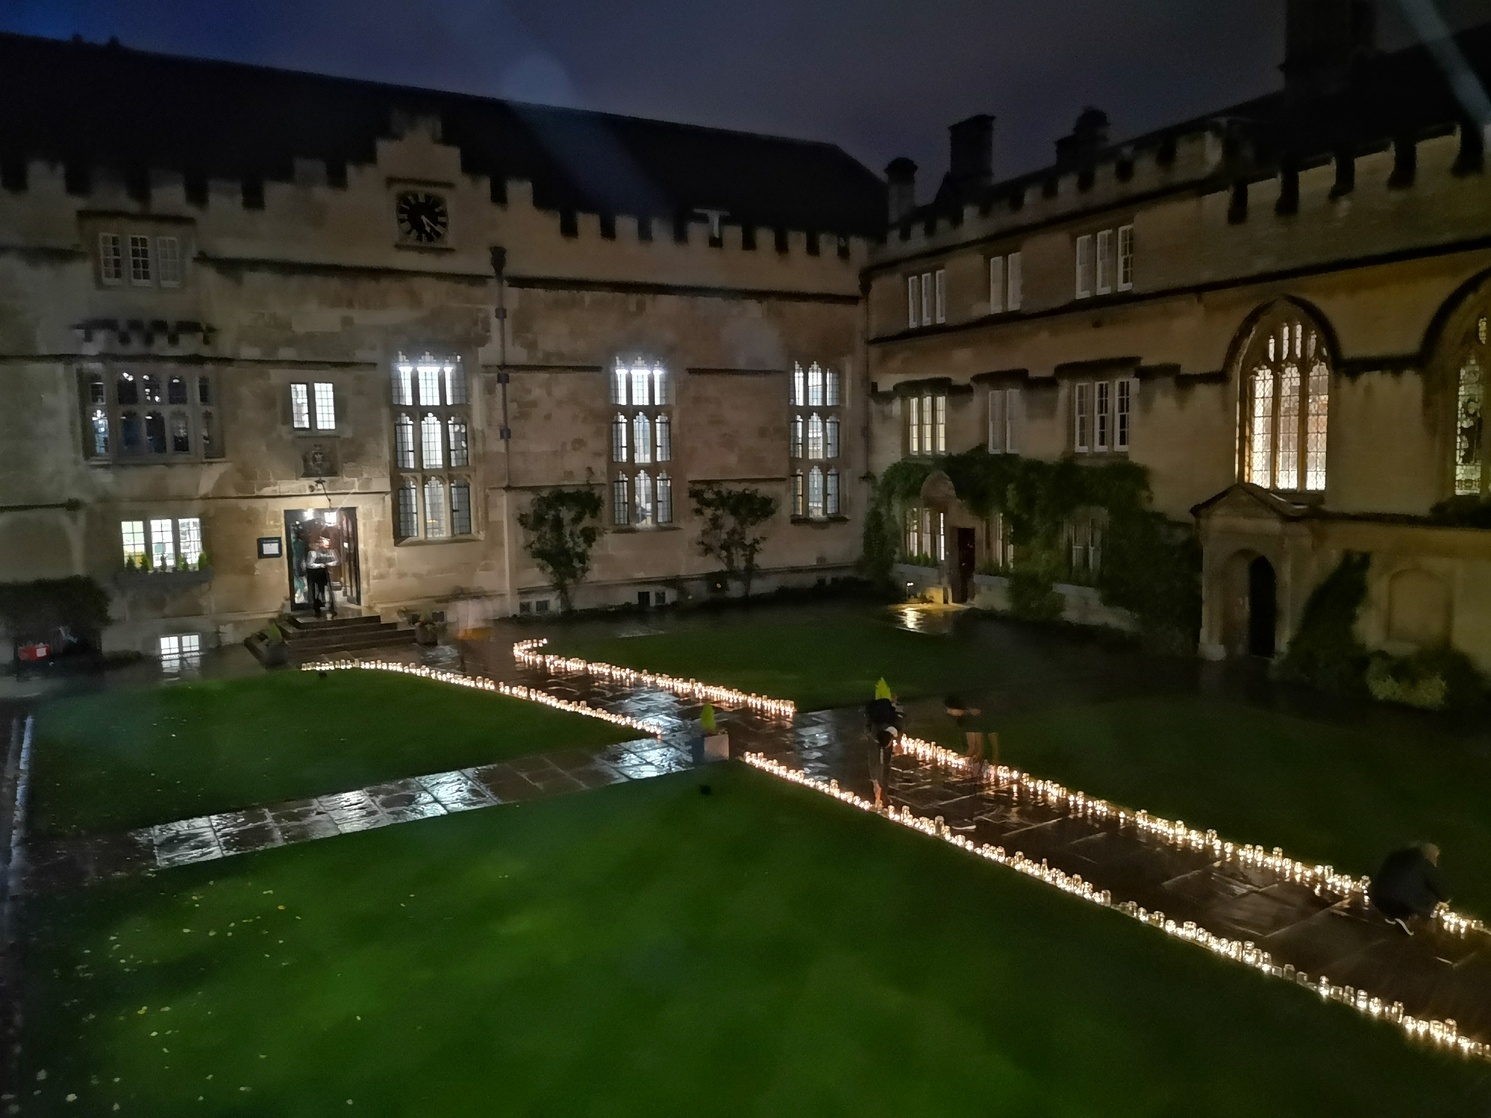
(1434, 975)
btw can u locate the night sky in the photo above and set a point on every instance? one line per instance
(879, 77)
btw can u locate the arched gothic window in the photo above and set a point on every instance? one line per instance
(1285, 406)
(1472, 363)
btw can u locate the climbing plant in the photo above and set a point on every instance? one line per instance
(1150, 565)
(730, 520)
(562, 527)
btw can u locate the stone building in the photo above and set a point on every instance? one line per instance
(245, 311)
(1281, 310)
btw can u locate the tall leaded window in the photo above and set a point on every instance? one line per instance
(814, 439)
(926, 425)
(641, 445)
(133, 415)
(925, 539)
(1285, 405)
(1473, 360)
(431, 446)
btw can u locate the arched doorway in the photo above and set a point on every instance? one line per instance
(1263, 608)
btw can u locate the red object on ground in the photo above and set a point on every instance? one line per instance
(38, 650)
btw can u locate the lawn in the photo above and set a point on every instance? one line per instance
(648, 950)
(834, 658)
(1323, 792)
(1326, 792)
(124, 759)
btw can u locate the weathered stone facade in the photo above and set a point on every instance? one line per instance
(314, 285)
(1168, 266)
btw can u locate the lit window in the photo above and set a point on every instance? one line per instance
(326, 412)
(815, 492)
(162, 546)
(181, 652)
(133, 533)
(139, 261)
(300, 406)
(1286, 396)
(1470, 409)
(831, 504)
(168, 261)
(815, 436)
(641, 435)
(427, 502)
(181, 427)
(110, 258)
(435, 522)
(433, 456)
(831, 437)
(797, 437)
(189, 540)
(1125, 258)
(815, 386)
(832, 396)
(799, 494)
(799, 391)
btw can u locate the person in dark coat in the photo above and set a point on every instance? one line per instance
(1408, 886)
(883, 723)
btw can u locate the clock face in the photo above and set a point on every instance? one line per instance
(422, 216)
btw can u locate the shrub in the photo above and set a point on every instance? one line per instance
(1326, 652)
(1035, 597)
(30, 610)
(1433, 679)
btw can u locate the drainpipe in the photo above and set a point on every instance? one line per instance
(505, 431)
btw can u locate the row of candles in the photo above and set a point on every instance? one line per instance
(1440, 1033)
(1322, 879)
(481, 683)
(527, 653)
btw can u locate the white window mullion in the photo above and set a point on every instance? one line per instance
(913, 301)
(1104, 284)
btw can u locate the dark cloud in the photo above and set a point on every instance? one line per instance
(880, 77)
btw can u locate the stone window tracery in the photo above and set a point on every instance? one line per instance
(1473, 359)
(431, 441)
(1285, 405)
(135, 416)
(641, 445)
(816, 421)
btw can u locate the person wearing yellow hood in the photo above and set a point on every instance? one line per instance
(883, 720)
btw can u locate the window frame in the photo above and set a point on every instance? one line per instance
(641, 395)
(815, 431)
(179, 539)
(1286, 349)
(429, 398)
(1083, 253)
(108, 418)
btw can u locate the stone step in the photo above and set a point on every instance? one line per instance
(302, 624)
(353, 642)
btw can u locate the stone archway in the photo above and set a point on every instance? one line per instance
(1250, 607)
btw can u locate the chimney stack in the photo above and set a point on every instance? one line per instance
(900, 174)
(1089, 136)
(1323, 40)
(971, 167)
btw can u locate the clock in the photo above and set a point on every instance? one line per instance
(423, 218)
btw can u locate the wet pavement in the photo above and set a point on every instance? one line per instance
(1306, 929)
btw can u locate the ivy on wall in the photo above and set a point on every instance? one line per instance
(1150, 565)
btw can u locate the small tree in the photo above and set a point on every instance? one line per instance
(729, 533)
(562, 527)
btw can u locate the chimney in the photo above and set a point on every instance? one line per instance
(1089, 136)
(971, 167)
(900, 174)
(1323, 41)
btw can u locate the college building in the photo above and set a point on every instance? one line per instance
(246, 314)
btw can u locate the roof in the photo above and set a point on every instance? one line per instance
(110, 106)
(1416, 92)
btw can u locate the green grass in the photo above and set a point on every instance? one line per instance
(124, 759)
(1321, 791)
(645, 950)
(831, 660)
